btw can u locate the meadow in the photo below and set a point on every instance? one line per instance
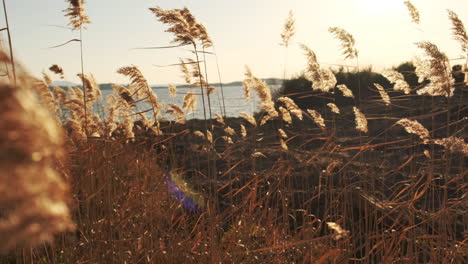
(342, 165)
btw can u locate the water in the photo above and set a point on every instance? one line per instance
(234, 101)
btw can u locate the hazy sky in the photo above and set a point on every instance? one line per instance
(245, 32)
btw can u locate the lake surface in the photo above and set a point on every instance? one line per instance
(234, 101)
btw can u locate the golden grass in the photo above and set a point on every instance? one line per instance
(272, 187)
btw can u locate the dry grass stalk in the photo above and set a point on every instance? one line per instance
(414, 127)
(414, 13)
(334, 108)
(282, 133)
(347, 42)
(219, 119)
(291, 106)
(190, 101)
(361, 120)
(33, 201)
(345, 90)
(289, 30)
(383, 94)
(398, 79)
(453, 144)
(172, 90)
(339, 231)
(438, 71)
(458, 30)
(177, 112)
(76, 13)
(317, 117)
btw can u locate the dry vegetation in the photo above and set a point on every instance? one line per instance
(351, 178)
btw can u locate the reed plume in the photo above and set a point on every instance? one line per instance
(360, 120)
(414, 127)
(172, 90)
(289, 30)
(282, 133)
(458, 30)
(57, 70)
(228, 140)
(76, 13)
(345, 90)
(219, 119)
(398, 80)
(339, 231)
(230, 131)
(414, 13)
(141, 87)
(453, 144)
(285, 115)
(177, 113)
(209, 136)
(291, 106)
(347, 42)
(334, 108)
(190, 101)
(437, 70)
(258, 155)
(263, 92)
(199, 134)
(322, 79)
(317, 117)
(184, 26)
(283, 145)
(383, 94)
(243, 131)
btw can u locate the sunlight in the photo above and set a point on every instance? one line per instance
(380, 6)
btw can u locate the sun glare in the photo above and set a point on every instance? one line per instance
(380, 5)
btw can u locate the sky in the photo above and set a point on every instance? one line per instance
(244, 32)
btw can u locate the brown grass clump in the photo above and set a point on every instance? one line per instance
(33, 204)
